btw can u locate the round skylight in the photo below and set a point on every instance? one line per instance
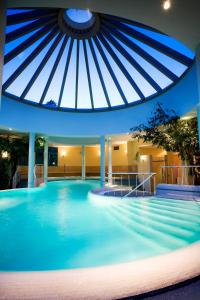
(79, 15)
(80, 19)
(82, 61)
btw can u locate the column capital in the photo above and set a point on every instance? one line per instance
(31, 133)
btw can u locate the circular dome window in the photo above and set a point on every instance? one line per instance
(78, 60)
(79, 18)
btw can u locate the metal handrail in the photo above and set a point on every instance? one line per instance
(139, 185)
(132, 173)
(181, 177)
(139, 178)
(165, 167)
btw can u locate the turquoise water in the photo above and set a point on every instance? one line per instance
(59, 227)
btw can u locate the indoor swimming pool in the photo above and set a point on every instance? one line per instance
(59, 226)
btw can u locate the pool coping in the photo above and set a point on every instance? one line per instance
(105, 282)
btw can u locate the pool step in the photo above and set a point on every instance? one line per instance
(188, 225)
(175, 231)
(188, 206)
(181, 216)
(169, 241)
(143, 239)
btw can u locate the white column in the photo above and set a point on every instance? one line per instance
(46, 146)
(83, 162)
(31, 159)
(109, 161)
(2, 38)
(198, 86)
(102, 160)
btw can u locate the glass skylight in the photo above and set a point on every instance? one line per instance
(78, 15)
(86, 61)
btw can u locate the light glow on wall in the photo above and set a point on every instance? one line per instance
(126, 148)
(98, 152)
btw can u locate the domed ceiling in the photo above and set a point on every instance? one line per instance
(77, 60)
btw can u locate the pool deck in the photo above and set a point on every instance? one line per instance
(107, 282)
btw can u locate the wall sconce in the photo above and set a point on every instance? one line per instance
(4, 154)
(63, 153)
(143, 158)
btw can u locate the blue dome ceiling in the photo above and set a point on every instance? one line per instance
(79, 60)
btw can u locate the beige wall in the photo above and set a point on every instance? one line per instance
(131, 157)
(120, 157)
(150, 150)
(92, 156)
(127, 155)
(123, 157)
(72, 156)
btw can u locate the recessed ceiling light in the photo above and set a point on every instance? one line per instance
(166, 4)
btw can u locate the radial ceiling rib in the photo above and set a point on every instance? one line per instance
(99, 72)
(65, 72)
(30, 41)
(154, 62)
(121, 66)
(110, 70)
(15, 34)
(153, 43)
(32, 15)
(30, 58)
(77, 70)
(132, 61)
(127, 21)
(88, 74)
(54, 69)
(41, 65)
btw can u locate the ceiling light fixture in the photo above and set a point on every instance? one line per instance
(166, 4)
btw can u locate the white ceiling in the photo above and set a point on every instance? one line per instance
(182, 21)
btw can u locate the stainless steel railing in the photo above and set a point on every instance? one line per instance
(132, 183)
(189, 175)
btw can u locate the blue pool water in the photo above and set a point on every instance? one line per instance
(59, 227)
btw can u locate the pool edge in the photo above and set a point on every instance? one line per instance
(106, 282)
